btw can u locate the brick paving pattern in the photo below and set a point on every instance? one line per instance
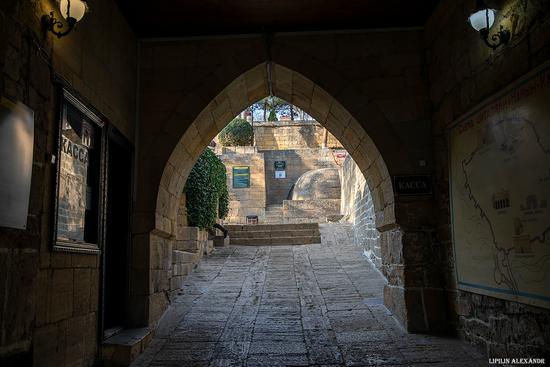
(311, 305)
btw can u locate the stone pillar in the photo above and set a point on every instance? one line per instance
(415, 291)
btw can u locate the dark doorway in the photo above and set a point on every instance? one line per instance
(117, 232)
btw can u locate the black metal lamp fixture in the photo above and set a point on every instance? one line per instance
(72, 10)
(482, 20)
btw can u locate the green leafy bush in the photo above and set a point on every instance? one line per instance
(223, 205)
(206, 190)
(237, 133)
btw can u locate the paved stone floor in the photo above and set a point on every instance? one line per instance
(311, 305)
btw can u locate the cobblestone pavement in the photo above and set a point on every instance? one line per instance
(311, 305)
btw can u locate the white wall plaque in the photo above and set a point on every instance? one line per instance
(280, 174)
(16, 152)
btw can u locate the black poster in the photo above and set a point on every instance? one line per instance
(412, 185)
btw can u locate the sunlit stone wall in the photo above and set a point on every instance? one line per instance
(358, 208)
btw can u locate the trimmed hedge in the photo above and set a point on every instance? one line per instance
(206, 190)
(238, 132)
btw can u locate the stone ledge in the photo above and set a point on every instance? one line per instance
(274, 241)
(123, 348)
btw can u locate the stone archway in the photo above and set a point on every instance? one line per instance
(295, 88)
(298, 90)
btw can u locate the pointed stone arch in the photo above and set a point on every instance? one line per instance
(295, 88)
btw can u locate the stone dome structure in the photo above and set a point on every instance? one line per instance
(323, 183)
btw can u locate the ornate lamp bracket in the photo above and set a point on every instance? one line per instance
(52, 24)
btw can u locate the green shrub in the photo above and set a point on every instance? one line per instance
(206, 190)
(237, 133)
(223, 205)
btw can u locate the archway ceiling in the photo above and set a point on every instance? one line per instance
(181, 18)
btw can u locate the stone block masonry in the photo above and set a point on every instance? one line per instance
(298, 162)
(287, 135)
(310, 211)
(274, 234)
(250, 200)
(267, 192)
(358, 209)
(191, 245)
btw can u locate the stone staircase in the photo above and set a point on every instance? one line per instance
(274, 234)
(274, 214)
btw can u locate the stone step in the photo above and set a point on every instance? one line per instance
(276, 241)
(273, 221)
(219, 241)
(184, 257)
(275, 233)
(123, 348)
(271, 227)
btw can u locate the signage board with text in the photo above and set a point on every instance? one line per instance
(241, 177)
(409, 185)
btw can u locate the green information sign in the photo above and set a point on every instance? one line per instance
(280, 165)
(241, 177)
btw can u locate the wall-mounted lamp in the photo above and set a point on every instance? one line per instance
(482, 20)
(72, 10)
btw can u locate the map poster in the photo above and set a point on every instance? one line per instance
(500, 194)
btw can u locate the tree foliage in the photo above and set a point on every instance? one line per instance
(272, 116)
(270, 106)
(237, 133)
(206, 190)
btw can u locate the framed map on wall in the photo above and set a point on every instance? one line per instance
(500, 193)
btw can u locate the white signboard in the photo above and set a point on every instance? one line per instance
(280, 174)
(16, 152)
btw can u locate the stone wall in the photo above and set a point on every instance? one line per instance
(358, 209)
(265, 189)
(189, 247)
(463, 72)
(286, 135)
(298, 162)
(50, 299)
(245, 201)
(192, 244)
(310, 211)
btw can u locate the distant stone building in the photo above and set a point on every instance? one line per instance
(286, 152)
